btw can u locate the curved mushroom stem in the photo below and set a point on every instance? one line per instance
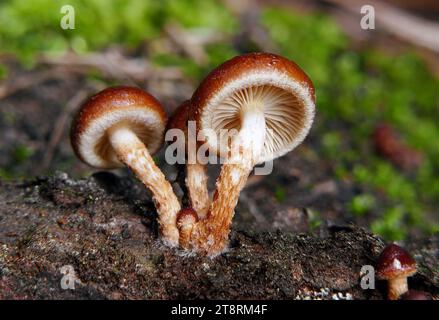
(196, 182)
(210, 235)
(396, 288)
(132, 152)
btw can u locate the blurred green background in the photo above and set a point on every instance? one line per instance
(358, 88)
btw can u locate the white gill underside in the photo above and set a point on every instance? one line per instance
(94, 145)
(283, 113)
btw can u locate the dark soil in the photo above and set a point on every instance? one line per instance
(104, 228)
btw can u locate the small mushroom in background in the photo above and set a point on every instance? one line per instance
(395, 265)
(416, 295)
(124, 126)
(389, 145)
(196, 176)
(270, 101)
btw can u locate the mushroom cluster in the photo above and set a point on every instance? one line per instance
(266, 99)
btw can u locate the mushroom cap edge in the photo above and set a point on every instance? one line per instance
(109, 107)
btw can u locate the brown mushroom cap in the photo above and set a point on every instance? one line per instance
(395, 262)
(186, 219)
(286, 92)
(187, 215)
(179, 120)
(113, 106)
(180, 117)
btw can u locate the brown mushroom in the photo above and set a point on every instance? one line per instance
(124, 126)
(270, 101)
(196, 176)
(395, 265)
(187, 217)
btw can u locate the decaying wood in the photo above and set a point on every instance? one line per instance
(103, 227)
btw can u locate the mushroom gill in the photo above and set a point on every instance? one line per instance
(283, 113)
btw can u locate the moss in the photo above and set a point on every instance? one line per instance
(188, 66)
(280, 194)
(389, 225)
(34, 27)
(361, 204)
(314, 219)
(357, 90)
(3, 71)
(21, 153)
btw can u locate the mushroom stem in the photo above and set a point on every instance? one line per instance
(196, 182)
(132, 152)
(211, 234)
(397, 287)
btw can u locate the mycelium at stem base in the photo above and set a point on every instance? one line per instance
(210, 235)
(133, 153)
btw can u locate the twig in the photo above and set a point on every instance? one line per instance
(253, 208)
(60, 126)
(186, 43)
(400, 23)
(114, 65)
(251, 28)
(111, 64)
(28, 80)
